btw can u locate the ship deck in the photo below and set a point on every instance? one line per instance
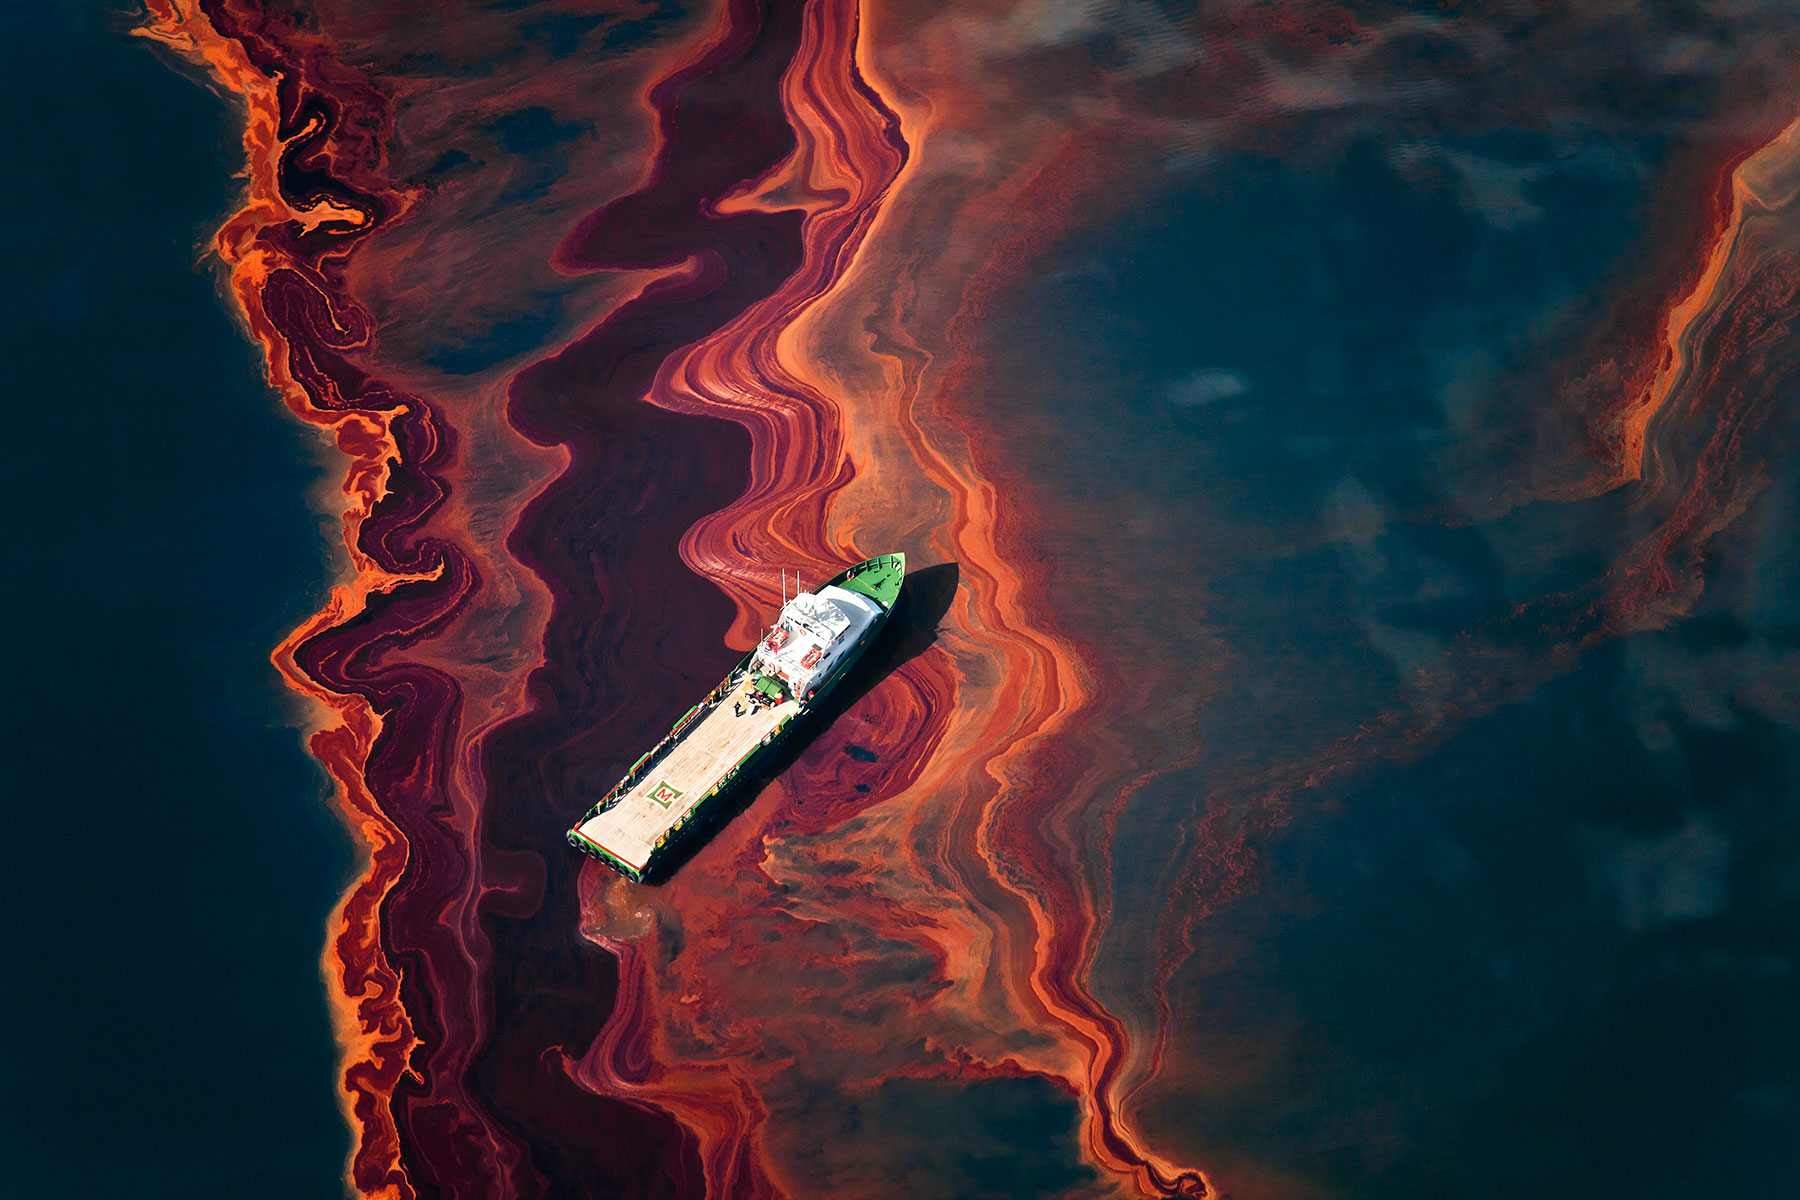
(670, 790)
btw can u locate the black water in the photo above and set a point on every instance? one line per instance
(169, 861)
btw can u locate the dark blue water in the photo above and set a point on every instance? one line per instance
(992, 1139)
(169, 862)
(1543, 959)
(1553, 951)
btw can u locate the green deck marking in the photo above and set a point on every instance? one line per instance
(880, 581)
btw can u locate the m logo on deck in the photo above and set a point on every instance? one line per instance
(664, 795)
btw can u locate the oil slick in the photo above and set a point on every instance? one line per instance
(767, 246)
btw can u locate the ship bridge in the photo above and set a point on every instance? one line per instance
(814, 631)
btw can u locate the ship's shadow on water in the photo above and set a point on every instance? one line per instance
(925, 597)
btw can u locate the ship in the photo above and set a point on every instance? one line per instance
(720, 744)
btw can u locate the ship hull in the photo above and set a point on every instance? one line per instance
(713, 726)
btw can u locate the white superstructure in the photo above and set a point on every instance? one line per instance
(814, 631)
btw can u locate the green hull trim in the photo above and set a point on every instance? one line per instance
(879, 579)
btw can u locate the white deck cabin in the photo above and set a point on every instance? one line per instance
(813, 632)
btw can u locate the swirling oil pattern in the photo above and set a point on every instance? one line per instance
(1335, 739)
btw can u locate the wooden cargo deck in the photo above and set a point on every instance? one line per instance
(630, 829)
